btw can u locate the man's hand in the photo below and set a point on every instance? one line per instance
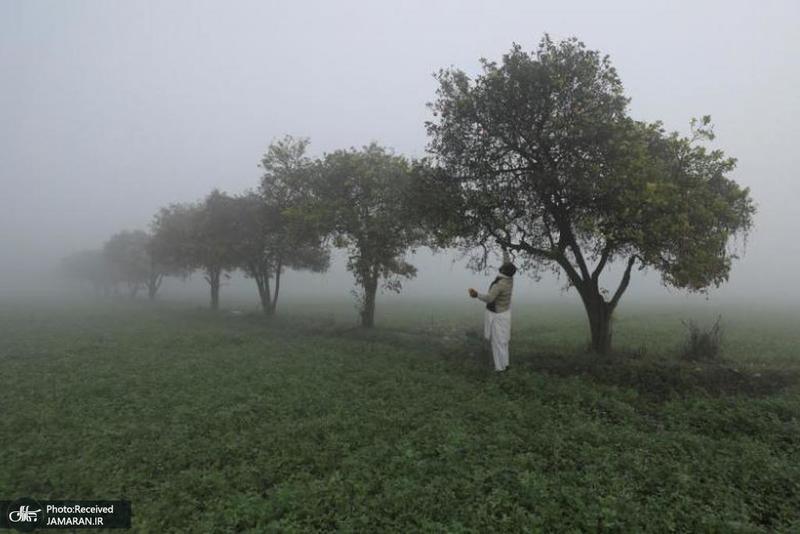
(472, 293)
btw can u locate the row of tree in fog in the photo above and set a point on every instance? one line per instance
(537, 155)
(358, 200)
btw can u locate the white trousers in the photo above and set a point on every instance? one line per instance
(497, 329)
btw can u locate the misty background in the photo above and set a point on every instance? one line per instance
(110, 110)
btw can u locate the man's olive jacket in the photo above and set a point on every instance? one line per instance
(498, 299)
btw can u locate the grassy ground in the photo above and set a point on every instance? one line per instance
(228, 422)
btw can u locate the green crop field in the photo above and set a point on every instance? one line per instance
(230, 422)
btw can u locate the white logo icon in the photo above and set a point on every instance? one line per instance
(24, 514)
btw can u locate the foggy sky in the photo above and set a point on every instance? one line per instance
(109, 110)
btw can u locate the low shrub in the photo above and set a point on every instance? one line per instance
(703, 344)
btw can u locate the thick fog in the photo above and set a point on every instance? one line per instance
(110, 110)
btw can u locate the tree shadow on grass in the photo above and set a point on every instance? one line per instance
(666, 379)
(656, 380)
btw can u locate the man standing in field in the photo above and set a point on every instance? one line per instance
(497, 322)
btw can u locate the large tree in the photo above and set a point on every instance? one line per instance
(366, 196)
(537, 154)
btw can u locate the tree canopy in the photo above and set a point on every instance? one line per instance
(539, 155)
(365, 196)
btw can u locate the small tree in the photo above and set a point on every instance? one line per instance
(132, 255)
(170, 246)
(538, 155)
(214, 234)
(264, 247)
(278, 226)
(198, 236)
(92, 267)
(703, 343)
(127, 252)
(366, 196)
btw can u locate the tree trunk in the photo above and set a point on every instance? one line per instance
(153, 281)
(597, 308)
(274, 305)
(600, 326)
(264, 295)
(215, 295)
(599, 312)
(368, 309)
(213, 278)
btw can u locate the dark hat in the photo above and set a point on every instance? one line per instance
(508, 269)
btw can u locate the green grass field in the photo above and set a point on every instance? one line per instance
(230, 422)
